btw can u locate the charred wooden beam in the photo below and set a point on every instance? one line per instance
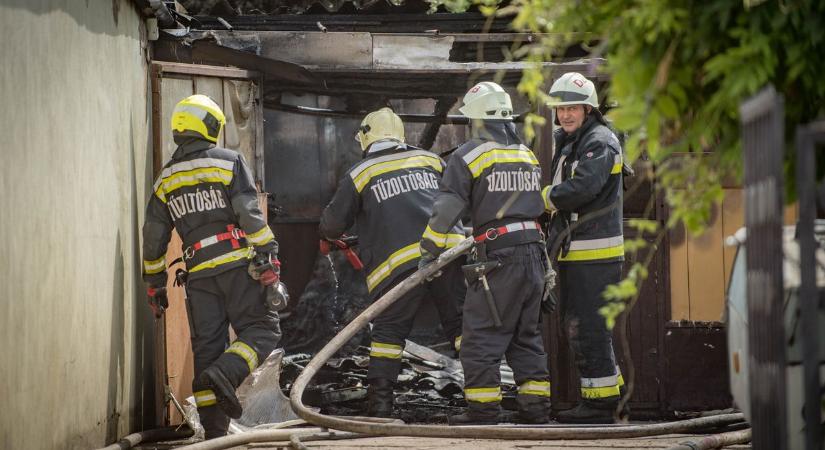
(386, 23)
(407, 118)
(282, 71)
(442, 107)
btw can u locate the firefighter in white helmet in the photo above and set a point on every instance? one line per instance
(208, 195)
(389, 197)
(498, 180)
(585, 200)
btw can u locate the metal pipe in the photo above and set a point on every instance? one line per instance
(482, 432)
(154, 435)
(715, 441)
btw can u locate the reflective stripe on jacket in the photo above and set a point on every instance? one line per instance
(494, 176)
(389, 196)
(202, 191)
(587, 194)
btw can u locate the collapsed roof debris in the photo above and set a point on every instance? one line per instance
(430, 384)
(428, 389)
(262, 7)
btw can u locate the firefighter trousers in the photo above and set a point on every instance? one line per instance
(517, 287)
(582, 286)
(214, 303)
(391, 328)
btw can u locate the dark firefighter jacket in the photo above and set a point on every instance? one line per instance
(494, 176)
(587, 192)
(204, 191)
(389, 196)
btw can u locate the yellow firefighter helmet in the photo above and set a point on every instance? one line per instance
(198, 116)
(378, 126)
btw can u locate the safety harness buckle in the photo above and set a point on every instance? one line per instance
(491, 234)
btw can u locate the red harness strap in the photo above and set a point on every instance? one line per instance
(493, 233)
(232, 234)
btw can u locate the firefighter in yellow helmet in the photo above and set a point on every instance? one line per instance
(389, 197)
(497, 179)
(585, 200)
(208, 195)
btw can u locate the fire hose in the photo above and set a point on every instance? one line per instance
(362, 428)
(478, 432)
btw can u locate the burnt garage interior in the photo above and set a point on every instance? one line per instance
(318, 67)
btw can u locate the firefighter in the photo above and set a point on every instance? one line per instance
(497, 179)
(207, 194)
(389, 196)
(585, 200)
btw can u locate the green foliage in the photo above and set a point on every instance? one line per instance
(678, 71)
(618, 295)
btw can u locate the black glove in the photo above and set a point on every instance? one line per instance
(265, 268)
(426, 259)
(158, 300)
(549, 302)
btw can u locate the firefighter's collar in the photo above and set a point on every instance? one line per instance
(191, 144)
(386, 144)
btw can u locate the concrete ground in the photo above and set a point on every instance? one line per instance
(378, 443)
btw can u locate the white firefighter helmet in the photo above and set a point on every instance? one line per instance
(573, 89)
(487, 100)
(378, 126)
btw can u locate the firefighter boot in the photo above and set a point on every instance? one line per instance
(589, 412)
(380, 398)
(489, 414)
(532, 416)
(532, 409)
(214, 379)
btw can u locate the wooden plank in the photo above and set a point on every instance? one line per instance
(179, 361)
(239, 108)
(203, 69)
(706, 277)
(213, 88)
(679, 281)
(791, 213)
(733, 218)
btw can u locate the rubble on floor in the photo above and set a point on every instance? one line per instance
(429, 388)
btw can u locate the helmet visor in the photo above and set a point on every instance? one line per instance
(361, 132)
(568, 96)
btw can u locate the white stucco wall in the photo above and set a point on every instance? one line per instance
(74, 172)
